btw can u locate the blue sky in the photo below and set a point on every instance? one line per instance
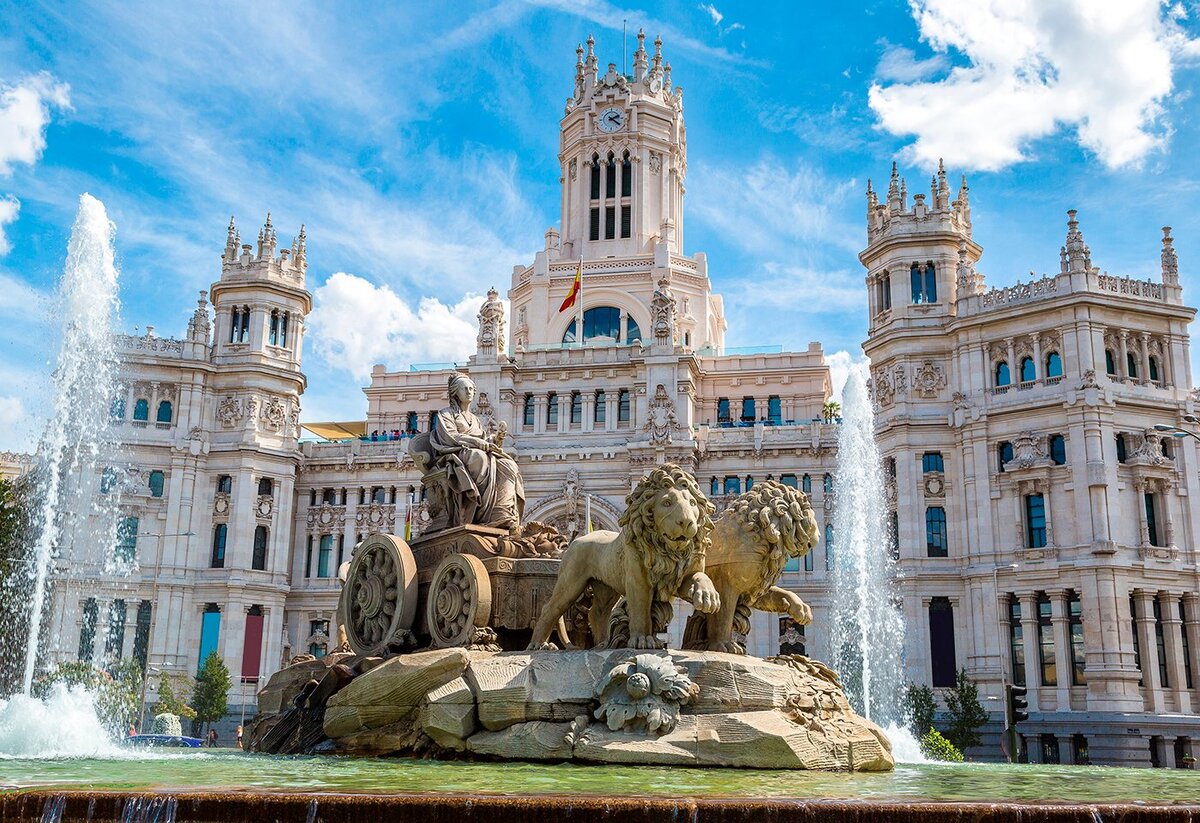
(418, 141)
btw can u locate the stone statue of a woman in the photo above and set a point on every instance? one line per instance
(483, 484)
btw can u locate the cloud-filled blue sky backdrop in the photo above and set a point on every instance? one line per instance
(418, 142)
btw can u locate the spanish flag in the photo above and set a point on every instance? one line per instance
(573, 294)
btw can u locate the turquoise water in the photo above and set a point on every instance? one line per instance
(233, 771)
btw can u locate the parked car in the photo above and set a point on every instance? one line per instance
(166, 741)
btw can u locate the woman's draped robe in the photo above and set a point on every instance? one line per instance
(485, 487)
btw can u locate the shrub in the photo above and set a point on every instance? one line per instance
(966, 713)
(167, 723)
(936, 747)
(919, 707)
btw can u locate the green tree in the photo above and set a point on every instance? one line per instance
(15, 511)
(117, 692)
(936, 747)
(919, 708)
(209, 698)
(169, 700)
(966, 713)
(831, 411)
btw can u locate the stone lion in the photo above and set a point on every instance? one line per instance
(657, 555)
(752, 540)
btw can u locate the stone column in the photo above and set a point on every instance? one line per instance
(564, 412)
(1143, 351)
(1033, 660)
(589, 411)
(1039, 372)
(1139, 486)
(611, 400)
(1173, 637)
(1005, 629)
(1169, 522)
(1066, 749)
(539, 413)
(1166, 374)
(1123, 365)
(624, 328)
(1148, 644)
(1013, 376)
(1191, 625)
(1062, 649)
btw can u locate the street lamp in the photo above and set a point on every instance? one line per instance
(1175, 431)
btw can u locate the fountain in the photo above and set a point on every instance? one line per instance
(75, 441)
(867, 623)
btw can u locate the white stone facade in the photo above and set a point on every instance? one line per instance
(651, 382)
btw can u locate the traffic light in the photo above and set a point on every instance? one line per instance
(1018, 705)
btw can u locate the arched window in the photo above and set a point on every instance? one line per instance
(379, 495)
(1122, 453)
(528, 410)
(412, 423)
(157, 479)
(828, 483)
(714, 488)
(1152, 368)
(225, 484)
(918, 289)
(1028, 370)
(594, 212)
(259, 561)
(239, 326)
(748, 410)
(1110, 365)
(1002, 376)
(141, 409)
(552, 409)
(626, 191)
(1005, 451)
(806, 484)
(164, 412)
(930, 284)
(116, 409)
(1053, 365)
(623, 406)
(604, 322)
(220, 534)
(576, 407)
(1058, 449)
(610, 194)
(749, 482)
(600, 410)
(278, 329)
(266, 487)
(1131, 362)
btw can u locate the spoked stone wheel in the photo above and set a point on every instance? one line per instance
(460, 600)
(379, 597)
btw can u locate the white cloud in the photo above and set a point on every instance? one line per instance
(900, 64)
(24, 114)
(840, 364)
(12, 412)
(1103, 68)
(9, 207)
(357, 324)
(799, 290)
(716, 16)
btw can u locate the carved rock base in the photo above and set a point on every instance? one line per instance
(732, 710)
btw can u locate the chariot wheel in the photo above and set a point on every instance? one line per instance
(379, 598)
(459, 601)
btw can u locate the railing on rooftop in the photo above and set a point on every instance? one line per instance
(432, 366)
(730, 351)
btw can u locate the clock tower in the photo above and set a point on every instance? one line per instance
(624, 157)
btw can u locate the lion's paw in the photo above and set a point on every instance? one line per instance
(801, 612)
(541, 647)
(646, 641)
(727, 646)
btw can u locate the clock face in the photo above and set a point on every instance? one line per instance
(611, 120)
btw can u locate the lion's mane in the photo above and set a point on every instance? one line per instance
(781, 523)
(665, 565)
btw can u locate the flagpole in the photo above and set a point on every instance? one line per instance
(579, 336)
(589, 514)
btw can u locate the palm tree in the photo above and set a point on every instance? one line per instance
(832, 410)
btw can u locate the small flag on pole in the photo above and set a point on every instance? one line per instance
(408, 514)
(589, 514)
(573, 294)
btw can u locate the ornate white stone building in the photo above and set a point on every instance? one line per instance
(1045, 530)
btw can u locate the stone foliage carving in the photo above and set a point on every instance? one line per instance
(1030, 450)
(273, 414)
(327, 517)
(752, 540)
(644, 693)
(662, 421)
(655, 163)
(658, 554)
(928, 379)
(229, 411)
(375, 518)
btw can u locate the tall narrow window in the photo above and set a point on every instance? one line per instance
(808, 561)
(412, 422)
(774, 410)
(210, 632)
(829, 558)
(748, 410)
(141, 635)
(1075, 621)
(918, 290)
(1152, 368)
(941, 643)
(1160, 642)
(1110, 364)
(610, 177)
(87, 630)
(125, 552)
(886, 285)
(157, 481)
(1131, 363)
(935, 532)
(116, 409)
(433, 421)
(325, 556)
(141, 409)
(1002, 375)
(1187, 651)
(1122, 454)
(528, 411)
(1151, 519)
(273, 330)
(1054, 366)
(266, 487)
(931, 462)
(723, 410)
(220, 535)
(552, 409)
(806, 484)
(623, 406)
(930, 284)
(1137, 641)
(1016, 641)
(576, 407)
(1028, 370)
(600, 409)
(224, 484)
(164, 412)
(714, 487)
(595, 174)
(626, 176)
(610, 222)
(1005, 451)
(1045, 637)
(235, 324)
(114, 640)
(749, 482)
(828, 483)
(1035, 521)
(1058, 449)
(594, 212)
(789, 480)
(261, 538)
(283, 329)
(252, 645)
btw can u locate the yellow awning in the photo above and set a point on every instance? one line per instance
(337, 431)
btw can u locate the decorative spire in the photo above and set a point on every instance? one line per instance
(667, 76)
(199, 326)
(232, 241)
(1078, 255)
(964, 274)
(1170, 263)
(903, 194)
(658, 58)
(266, 239)
(640, 61)
(941, 198)
(590, 59)
(894, 190)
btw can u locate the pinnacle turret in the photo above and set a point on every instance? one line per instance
(640, 60)
(232, 241)
(1075, 256)
(1170, 263)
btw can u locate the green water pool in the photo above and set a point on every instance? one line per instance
(236, 771)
